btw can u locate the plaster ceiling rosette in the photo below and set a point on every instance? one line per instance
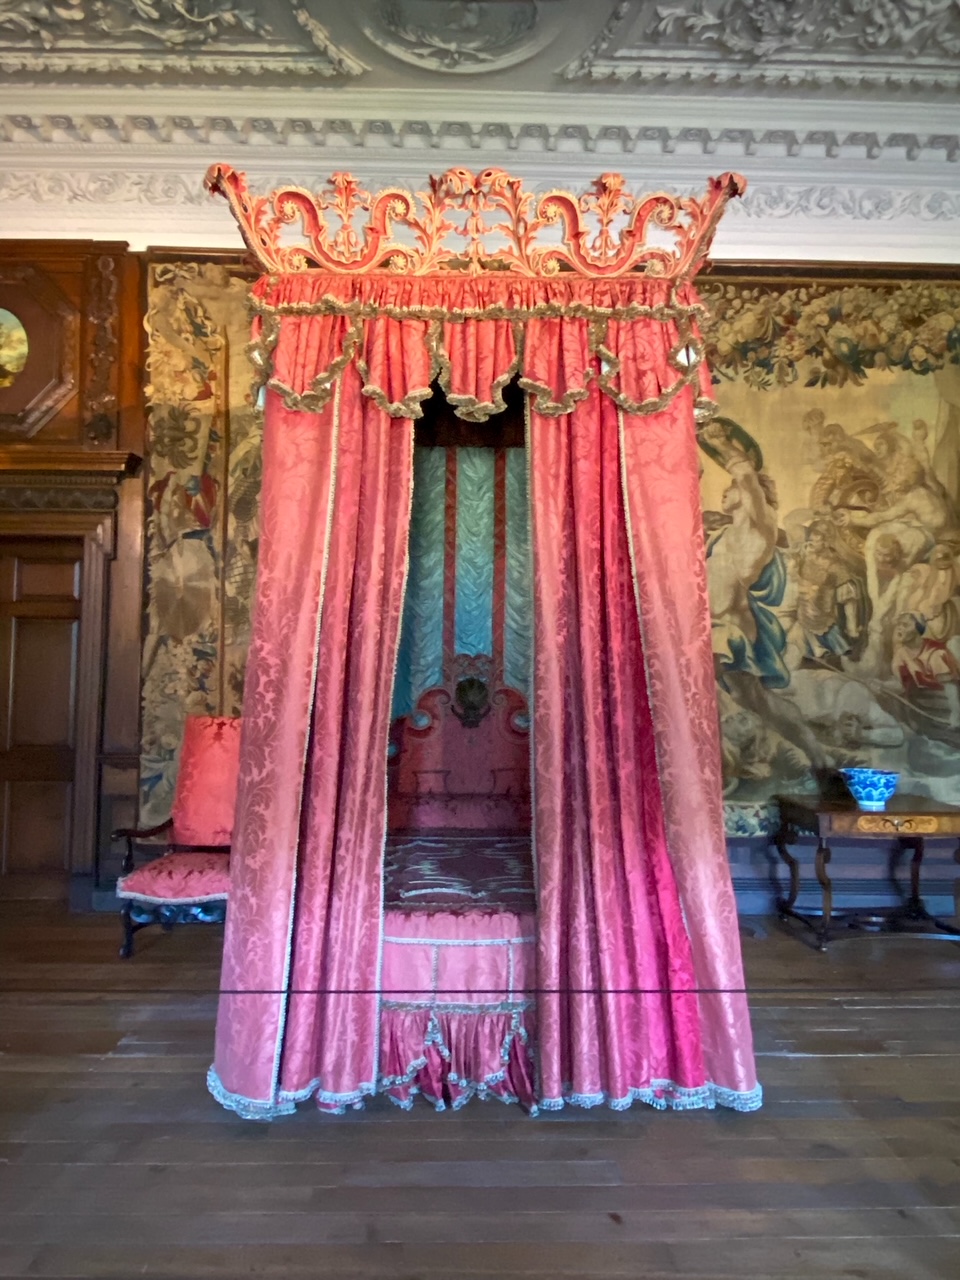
(463, 37)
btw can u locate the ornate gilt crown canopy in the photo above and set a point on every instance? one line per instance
(477, 223)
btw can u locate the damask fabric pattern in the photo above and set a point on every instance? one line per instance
(298, 1010)
(179, 879)
(473, 613)
(622, 1008)
(488, 591)
(420, 658)
(205, 800)
(662, 505)
(619, 648)
(474, 341)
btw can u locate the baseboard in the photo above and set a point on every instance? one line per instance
(758, 898)
(40, 886)
(87, 896)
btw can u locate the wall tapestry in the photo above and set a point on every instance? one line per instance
(203, 486)
(831, 493)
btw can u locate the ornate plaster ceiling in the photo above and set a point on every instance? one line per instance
(167, 40)
(860, 44)
(866, 45)
(838, 111)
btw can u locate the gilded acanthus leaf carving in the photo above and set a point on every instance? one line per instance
(475, 223)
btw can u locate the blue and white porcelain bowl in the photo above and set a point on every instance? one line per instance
(871, 788)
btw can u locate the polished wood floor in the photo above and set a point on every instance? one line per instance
(115, 1162)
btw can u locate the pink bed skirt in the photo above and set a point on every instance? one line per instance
(457, 1011)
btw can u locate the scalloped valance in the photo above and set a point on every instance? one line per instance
(635, 337)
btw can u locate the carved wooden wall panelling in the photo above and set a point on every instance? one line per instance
(70, 447)
(67, 296)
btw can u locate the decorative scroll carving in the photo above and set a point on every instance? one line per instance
(210, 38)
(854, 43)
(55, 497)
(748, 29)
(54, 478)
(448, 227)
(584, 65)
(340, 62)
(100, 397)
(171, 22)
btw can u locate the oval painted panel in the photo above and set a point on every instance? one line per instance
(13, 347)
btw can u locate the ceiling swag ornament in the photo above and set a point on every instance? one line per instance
(477, 223)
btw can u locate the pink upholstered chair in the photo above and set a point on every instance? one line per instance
(189, 881)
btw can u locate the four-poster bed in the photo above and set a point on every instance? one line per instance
(621, 980)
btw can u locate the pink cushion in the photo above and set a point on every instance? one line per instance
(206, 794)
(179, 877)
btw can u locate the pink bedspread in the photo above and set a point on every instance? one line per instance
(457, 1010)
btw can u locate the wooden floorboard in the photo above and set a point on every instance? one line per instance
(115, 1162)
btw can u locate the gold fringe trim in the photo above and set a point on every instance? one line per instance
(469, 407)
(329, 304)
(546, 406)
(688, 369)
(409, 407)
(321, 387)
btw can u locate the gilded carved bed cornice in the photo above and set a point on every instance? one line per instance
(477, 223)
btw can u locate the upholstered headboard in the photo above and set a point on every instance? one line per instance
(461, 761)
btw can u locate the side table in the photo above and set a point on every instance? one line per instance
(907, 820)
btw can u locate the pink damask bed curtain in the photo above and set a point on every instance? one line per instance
(298, 1009)
(640, 987)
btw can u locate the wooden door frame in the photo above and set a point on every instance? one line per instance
(98, 531)
(54, 493)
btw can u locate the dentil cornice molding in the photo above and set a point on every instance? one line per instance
(828, 179)
(104, 131)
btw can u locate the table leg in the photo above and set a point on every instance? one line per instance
(781, 841)
(826, 885)
(915, 905)
(913, 909)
